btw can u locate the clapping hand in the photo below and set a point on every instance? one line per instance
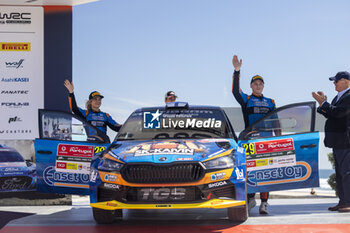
(319, 97)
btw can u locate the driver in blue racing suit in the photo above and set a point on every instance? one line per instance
(92, 114)
(254, 107)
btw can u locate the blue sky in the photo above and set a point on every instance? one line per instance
(133, 51)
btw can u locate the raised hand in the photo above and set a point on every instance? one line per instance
(236, 64)
(69, 86)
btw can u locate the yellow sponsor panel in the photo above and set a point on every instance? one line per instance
(262, 162)
(72, 166)
(214, 204)
(14, 46)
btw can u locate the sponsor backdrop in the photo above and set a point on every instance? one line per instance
(22, 71)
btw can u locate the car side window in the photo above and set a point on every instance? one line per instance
(291, 119)
(65, 127)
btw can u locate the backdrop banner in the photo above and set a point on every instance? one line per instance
(21, 72)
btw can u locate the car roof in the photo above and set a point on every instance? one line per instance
(200, 107)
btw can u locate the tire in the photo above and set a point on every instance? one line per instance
(106, 216)
(238, 213)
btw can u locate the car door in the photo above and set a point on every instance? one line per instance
(63, 152)
(282, 149)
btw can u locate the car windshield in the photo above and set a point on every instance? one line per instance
(10, 156)
(174, 123)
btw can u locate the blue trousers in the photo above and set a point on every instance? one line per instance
(342, 174)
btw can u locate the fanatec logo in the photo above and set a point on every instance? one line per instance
(16, 64)
(14, 119)
(14, 104)
(15, 18)
(14, 92)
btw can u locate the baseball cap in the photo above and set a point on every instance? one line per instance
(257, 77)
(340, 75)
(170, 93)
(95, 93)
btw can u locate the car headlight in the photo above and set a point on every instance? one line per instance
(220, 163)
(109, 165)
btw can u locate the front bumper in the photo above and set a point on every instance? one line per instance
(213, 203)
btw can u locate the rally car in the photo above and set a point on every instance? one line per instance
(170, 157)
(176, 157)
(16, 174)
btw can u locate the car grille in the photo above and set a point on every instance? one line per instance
(9, 183)
(162, 173)
(228, 191)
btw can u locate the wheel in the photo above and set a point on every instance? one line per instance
(106, 216)
(238, 213)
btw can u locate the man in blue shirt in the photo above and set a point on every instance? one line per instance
(254, 107)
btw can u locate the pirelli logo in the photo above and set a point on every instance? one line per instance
(14, 46)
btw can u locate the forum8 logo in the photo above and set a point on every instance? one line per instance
(151, 120)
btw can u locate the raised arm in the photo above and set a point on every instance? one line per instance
(236, 90)
(72, 102)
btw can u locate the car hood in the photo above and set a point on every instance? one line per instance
(13, 167)
(167, 151)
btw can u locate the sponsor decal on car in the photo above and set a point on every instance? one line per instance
(239, 173)
(157, 120)
(151, 120)
(51, 177)
(75, 150)
(185, 147)
(61, 165)
(191, 123)
(270, 154)
(165, 151)
(217, 184)
(218, 176)
(184, 159)
(161, 194)
(109, 177)
(280, 175)
(110, 186)
(93, 175)
(76, 157)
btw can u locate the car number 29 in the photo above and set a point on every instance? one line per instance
(159, 194)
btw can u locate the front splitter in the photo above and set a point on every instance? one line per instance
(214, 204)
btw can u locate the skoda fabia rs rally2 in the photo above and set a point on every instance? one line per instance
(170, 157)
